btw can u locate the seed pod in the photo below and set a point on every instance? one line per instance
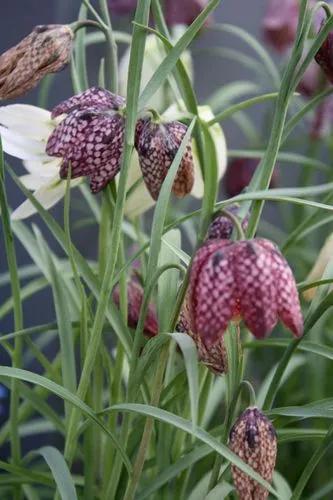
(46, 50)
(157, 145)
(253, 439)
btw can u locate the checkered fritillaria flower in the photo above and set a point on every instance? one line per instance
(253, 439)
(280, 23)
(324, 57)
(247, 279)
(90, 138)
(47, 49)
(157, 145)
(134, 300)
(239, 174)
(222, 226)
(214, 357)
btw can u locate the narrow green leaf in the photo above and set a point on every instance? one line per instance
(60, 471)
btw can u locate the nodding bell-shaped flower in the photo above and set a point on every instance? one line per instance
(214, 357)
(324, 57)
(90, 138)
(280, 23)
(157, 145)
(253, 439)
(248, 279)
(134, 301)
(239, 174)
(222, 225)
(46, 50)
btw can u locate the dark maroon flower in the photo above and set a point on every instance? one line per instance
(134, 299)
(184, 12)
(157, 145)
(253, 439)
(176, 11)
(324, 57)
(248, 279)
(93, 97)
(280, 23)
(122, 6)
(239, 174)
(90, 138)
(222, 226)
(214, 357)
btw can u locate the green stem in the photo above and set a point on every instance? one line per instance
(18, 317)
(112, 49)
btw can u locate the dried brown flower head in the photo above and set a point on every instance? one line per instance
(47, 49)
(253, 439)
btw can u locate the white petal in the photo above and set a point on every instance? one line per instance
(47, 169)
(30, 121)
(32, 182)
(48, 195)
(139, 200)
(17, 145)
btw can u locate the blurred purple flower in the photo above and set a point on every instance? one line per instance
(239, 174)
(176, 11)
(280, 23)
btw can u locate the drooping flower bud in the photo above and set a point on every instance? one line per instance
(253, 439)
(215, 357)
(280, 23)
(222, 225)
(157, 145)
(90, 138)
(239, 174)
(250, 279)
(134, 301)
(324, 57)
(46, 50)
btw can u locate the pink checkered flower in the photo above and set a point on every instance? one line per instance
(134, 300)
(222, 226)
(90, 138)
(280, 23)
(214, 357)
(253, 439)
(248, 279)
(157, 145)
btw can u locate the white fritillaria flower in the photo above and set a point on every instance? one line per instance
(24, 131)
(316, 273)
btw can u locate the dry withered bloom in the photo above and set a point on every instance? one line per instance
(253, 439)
(47, 49)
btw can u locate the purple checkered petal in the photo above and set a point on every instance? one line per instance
(212, 291)
(157, 145)
(94, 97)
(256, 287)
(288, 305)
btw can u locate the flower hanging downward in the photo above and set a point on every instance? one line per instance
(324, 57)
(134, 299)
(280, 23)
(90, 139)
(157, 145)
(250, 279)
(222, 225)
(46, 50)
(253, 439)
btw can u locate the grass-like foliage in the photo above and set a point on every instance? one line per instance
(125, 397)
